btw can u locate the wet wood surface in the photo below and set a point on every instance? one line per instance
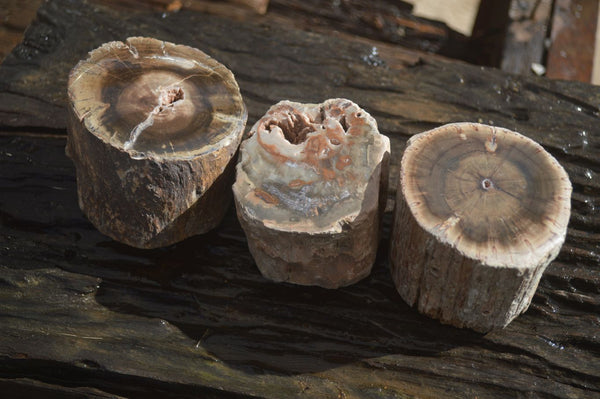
(84, 316)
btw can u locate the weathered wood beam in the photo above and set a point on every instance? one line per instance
(382, 20)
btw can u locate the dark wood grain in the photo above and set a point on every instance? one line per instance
(383, 20)
(83, 314)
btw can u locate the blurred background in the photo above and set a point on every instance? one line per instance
(555, 38)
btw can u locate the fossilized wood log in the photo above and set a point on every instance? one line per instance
(153, 131)
(480, 212)
(310, 189)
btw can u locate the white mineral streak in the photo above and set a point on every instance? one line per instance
(135, 133)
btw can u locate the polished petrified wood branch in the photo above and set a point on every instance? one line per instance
(153, 131)
(480, 212)
(309, 190)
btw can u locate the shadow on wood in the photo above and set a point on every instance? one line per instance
(209, 288)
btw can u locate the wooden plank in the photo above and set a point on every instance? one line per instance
(78, 308)
(197, 319)
(28, 388)
(233, 8)
(526, 35)
(383, 20)
(571, 53)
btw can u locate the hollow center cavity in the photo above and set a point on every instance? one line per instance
(486, 184)
(295, 127)
(170, 96)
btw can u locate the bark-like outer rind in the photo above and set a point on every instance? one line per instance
(151, 201)
(445, 284)
(325, 258)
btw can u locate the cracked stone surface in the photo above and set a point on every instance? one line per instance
(153, 131)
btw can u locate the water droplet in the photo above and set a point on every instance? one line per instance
(553, 344)
(372, 58)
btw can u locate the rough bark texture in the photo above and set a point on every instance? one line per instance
(81, 312)
(326, 260)
(154, 162)
(455, 289)
(383, 20)
(153, 202)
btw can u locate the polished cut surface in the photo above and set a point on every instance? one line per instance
(156, 99)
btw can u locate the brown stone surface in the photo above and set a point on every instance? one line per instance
(310, 188)
(481, 213)
(153, 131)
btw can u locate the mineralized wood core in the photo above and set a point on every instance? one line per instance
(308, 192)
(153, 131)
(481, 211)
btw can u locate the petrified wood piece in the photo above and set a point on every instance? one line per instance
(309, 191)
(481, 211)
(153, 131)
